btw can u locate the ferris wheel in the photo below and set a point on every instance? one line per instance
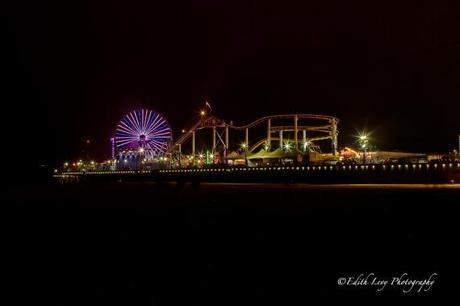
(143, 130)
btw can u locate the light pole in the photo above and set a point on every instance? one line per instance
(306, 146)
(244, 146)
(363, 143)
(141, 157)
(287, 146)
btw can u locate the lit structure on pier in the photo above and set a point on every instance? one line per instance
(141, 136)
(287, 137)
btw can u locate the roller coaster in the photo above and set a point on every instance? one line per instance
(281, 135)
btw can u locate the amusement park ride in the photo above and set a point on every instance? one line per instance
(144, 136)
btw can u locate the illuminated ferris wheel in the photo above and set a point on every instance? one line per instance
(144, 131)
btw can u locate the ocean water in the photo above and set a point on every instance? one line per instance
(165, 244)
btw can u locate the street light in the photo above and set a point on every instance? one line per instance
(244, 146)
(306, 145)
(287, 146)
(363, 140)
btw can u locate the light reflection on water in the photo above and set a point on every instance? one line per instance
(328, 186)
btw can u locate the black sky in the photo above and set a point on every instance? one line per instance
(73, 68)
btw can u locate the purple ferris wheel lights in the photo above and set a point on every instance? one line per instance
(143, 129)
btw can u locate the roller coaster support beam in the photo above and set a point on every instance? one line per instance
(269, 132)
(334, 136)
(193, 148)
(304, 140)
(227, 144)
(296, 130)
(213, 140)
(180, 155)
(281, 139)
(246, 139)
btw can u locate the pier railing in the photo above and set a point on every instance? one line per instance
(371, 173)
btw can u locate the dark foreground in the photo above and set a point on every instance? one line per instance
(151, 244)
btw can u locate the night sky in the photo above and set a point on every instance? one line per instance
(73, 68)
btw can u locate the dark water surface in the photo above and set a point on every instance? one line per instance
(150, 244)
